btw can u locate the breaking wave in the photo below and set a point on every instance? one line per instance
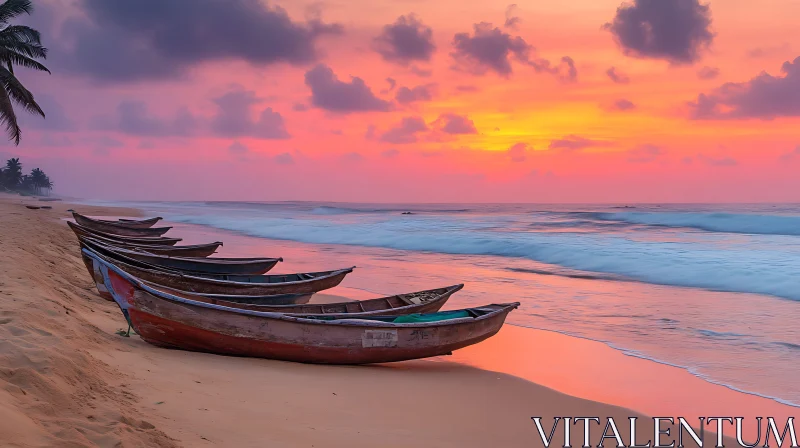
(747, 267)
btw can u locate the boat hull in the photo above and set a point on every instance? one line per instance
(254, 293)
(82, 231)
(139, 223)
(210, 328)
(118, 229)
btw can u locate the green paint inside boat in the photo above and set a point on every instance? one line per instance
(432, 317)
(408, 318)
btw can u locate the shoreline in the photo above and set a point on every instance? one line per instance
(195, 399)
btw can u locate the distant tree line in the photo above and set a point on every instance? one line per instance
(12, 179)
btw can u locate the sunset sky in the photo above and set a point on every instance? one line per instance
(418, 101)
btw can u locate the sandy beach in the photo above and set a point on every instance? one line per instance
(69, 380)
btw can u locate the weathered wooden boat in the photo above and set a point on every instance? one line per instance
(170, 321)
(206, 265)
(85, 231)
(118, 228)
(279, 289)
(428, 301)
(193, 250)
(140, 223)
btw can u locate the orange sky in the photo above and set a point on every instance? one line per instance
(654, 151)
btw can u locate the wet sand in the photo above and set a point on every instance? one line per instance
(67, 379)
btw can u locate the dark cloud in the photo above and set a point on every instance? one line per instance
(405, 132)
(455, 124)
(146, 144)
(519, 152)
(392, 83)
(299, 107)
(622, 105)
(617, 77)
(234, 117)
(765, 97)
(512, 20)
(238, 148)
(489, 48)
(133, 118)
(331, 94)
(574, 143)
(284, 159)
(406, 40)
(149, 39)
(708, 72)
(674, 30)
(390, 153)
(645, 154)
(425, 92)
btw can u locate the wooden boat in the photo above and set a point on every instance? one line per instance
(254, 289)
(170, 321)
(84, 231)
(140, 223)
(118, 228)
(32, 207)
(193, 250)
(206, 265)
(428, 301)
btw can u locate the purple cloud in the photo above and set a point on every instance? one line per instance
(467, 89)
(238, 148)
(791, 155)
(518, 152)
(406, 131)
(233, 117)
(512, 20)
(390, 153)
(708, 72)
(455, 124)
(405, 41)
(124, 41)
(331, 94)
(284, 159)
(717, 161)
(352, 157)
(492, 49)
(617, 77)
(425, 92)
(623, 105)
(133, 118)
(574, 143)
(645, 154)
(674, 30)
(765, 97)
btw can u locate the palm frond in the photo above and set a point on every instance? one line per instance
(13, 8)
(21, 33)
(9, 118)
(30, 49)
(11, 57)
(16, 91)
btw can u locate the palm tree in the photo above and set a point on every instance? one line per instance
(12, 175)
(19, 45)
(37, 177)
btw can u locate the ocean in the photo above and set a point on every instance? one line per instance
(713, 289)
